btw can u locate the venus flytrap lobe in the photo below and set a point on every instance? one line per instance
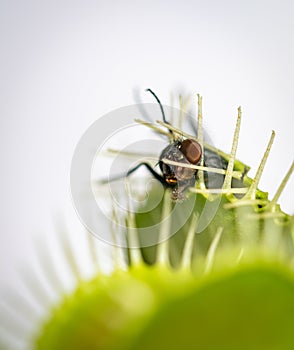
(228, 260)
(195, 288)
(223, 263)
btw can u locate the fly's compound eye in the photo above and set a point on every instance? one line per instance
(191, 150)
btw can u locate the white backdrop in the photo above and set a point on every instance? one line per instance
(65, 63)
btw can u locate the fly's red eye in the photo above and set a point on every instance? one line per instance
(191, 150)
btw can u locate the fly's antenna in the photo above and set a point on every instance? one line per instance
(161, 108)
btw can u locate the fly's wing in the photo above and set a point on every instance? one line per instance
(214, 160)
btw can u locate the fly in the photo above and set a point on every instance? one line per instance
(185, 151)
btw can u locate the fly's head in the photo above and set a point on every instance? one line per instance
(177, 177)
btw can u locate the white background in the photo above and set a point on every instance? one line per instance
(65, 63)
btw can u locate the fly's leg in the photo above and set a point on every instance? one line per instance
(132, 170)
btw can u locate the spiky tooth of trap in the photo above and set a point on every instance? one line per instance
(212, 249)
(189, 244)
(235, 190)
(93, 255)
(235, 174)
(253, 188)
(119, 262)
(70, 256)
(280, 189)
(162, 254)
(228, 178)
(133, 241)
(201, 142)
(132, 235)
(154, 127)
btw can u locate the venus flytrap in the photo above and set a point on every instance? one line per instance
(219, 296)
(219, 282)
